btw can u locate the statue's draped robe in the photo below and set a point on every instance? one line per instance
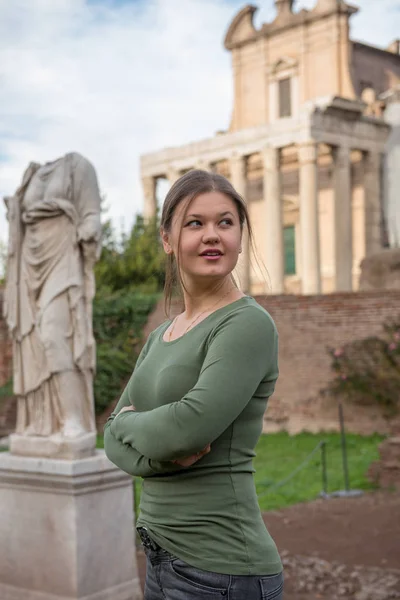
(54, 215)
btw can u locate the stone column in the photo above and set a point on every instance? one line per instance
(372, 202)
(343, 227)
(309, 219)
(274, 221)
(172, 175)
(237, 165)
(150, 199)
(202, 164)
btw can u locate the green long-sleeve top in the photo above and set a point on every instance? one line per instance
(209, 386)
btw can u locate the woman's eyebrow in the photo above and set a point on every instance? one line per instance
(223, 214)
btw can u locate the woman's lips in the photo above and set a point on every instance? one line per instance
(211, 256)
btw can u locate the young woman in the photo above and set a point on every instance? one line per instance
(192, 412)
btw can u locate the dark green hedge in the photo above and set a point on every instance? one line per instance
(118, 321)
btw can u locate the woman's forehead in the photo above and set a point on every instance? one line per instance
(207, 204)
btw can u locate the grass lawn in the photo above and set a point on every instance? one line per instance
(279, 454)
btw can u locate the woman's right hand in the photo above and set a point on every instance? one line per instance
(188, 461)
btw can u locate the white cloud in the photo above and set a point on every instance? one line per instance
(115, 79)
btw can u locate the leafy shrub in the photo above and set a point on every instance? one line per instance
(133, 261)
(367, 371)
(118, 321)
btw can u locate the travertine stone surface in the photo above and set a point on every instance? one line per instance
(309, 221)
(66, 530)
(150, 198)
(274, 219)
(343, 219)
(237, 166)
(53, 446)
(54, 242)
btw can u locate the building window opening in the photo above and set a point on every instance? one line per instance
(289, 238)
(285, 97)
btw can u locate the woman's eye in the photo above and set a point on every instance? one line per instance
(194, 223)
(226, 222)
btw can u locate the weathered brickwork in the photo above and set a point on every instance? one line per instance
(308, 326)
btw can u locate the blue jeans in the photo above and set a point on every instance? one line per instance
(170, 578)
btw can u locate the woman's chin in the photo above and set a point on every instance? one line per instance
(210, 276)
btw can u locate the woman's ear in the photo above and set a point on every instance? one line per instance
(165, 241)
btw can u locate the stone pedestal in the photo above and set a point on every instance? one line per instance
(66, 530)
(53, 446)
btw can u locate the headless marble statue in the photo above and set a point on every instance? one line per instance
(54, 242)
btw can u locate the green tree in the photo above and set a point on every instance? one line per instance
(136, 261)
(129, 275)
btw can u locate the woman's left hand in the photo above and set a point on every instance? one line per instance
(188, 461)
(126, 409)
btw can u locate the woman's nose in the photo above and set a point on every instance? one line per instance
(210, 235)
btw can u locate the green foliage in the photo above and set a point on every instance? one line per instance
(129, 276)
(367, 371)
(118, 321)
(279, 454)
(135, 261)
(6, 390)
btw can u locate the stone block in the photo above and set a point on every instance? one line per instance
(66, 530)
(53, 446)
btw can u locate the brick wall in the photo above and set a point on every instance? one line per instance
(308, 326)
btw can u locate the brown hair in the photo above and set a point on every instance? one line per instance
(188, 187)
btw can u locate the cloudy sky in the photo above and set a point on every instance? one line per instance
(113, 79)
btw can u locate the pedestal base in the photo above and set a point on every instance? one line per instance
(54, 446)
(66, 530)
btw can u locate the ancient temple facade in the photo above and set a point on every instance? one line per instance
(306, 147)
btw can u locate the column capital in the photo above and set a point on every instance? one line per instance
(238, 173)
(202, 164)
(237, 165)
(172, 174)
(149, 185)
(271, 158)
(308, 152)
(236, 158)
(372, 160)
(341, 155)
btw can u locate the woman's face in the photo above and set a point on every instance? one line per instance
(209, 237)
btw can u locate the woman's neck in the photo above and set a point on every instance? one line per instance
(198, 299)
